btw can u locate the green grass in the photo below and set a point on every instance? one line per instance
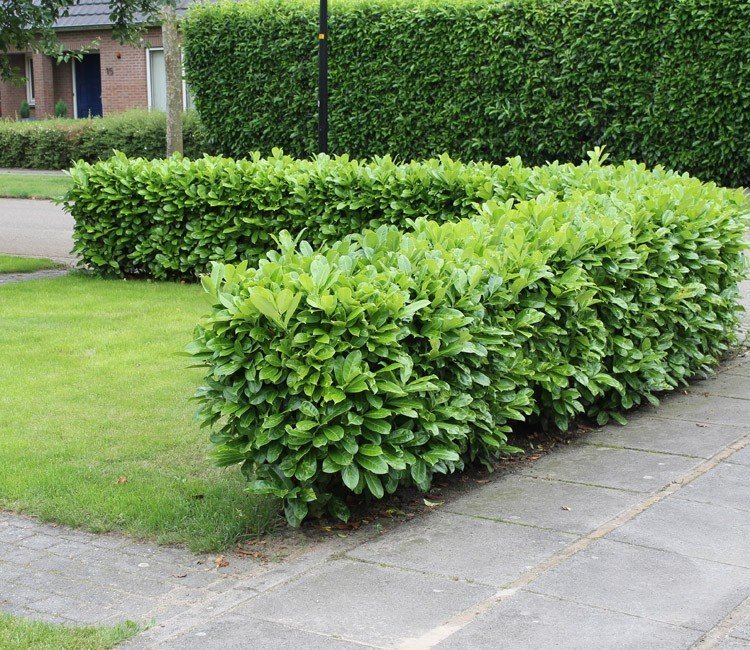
(22, 634)
(14, 264)
(33, 186)
(94, 387)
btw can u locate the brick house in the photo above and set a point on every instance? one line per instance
(110, 79)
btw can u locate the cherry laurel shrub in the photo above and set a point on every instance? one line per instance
(169, 219)
(389, 357)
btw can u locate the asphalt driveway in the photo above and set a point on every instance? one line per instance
(35, 228)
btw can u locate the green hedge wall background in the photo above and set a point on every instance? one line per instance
(56, 144)
(663, 81)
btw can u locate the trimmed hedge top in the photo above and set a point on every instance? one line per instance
(168, 219)
(389, 357)
(662, 81)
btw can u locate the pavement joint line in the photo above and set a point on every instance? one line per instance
(610, 610)
(185, 621)
(723, 628)
(594, 485)
(734, 374)
(334, 637)
(687, 555)
(423, 572)
(604, 445)
(500, 520)
(440, 633)
(721, 505)
(712, 394)
(706, 422)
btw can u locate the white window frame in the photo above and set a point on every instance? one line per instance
(29, 73)
(75, 92)
(148, 80)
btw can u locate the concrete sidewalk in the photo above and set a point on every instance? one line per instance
(35, 228)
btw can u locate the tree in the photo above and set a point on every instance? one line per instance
(173, 65)
(27, 24)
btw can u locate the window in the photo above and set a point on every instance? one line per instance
(157, 82)
(30, 95)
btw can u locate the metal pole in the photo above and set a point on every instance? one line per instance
(323, 78)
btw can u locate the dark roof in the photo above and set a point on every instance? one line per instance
(95, 13)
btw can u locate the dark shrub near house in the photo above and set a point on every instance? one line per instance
(56, 144)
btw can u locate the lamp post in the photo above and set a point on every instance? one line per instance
(323, 78)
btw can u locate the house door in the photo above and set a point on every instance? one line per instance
(88, 86)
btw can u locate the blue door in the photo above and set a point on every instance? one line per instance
(89, 86)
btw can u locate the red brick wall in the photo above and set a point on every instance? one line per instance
(123, 70)
(64, 85)
(11, 95)
(44, 86)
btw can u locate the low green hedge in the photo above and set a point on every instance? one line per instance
(57, 143)
(390, 357)
(168, 219)
(662, 81)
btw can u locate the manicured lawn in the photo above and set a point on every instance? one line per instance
(94, 387)
(33, 186)
(14, 264)
(23, 634)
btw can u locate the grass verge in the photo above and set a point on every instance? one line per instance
(23, 634)
(33, 186)
(15, 264)
(97, 429)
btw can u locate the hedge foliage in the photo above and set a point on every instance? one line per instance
(57, 143)
(389, 357)
(169, 219)
(662, 81)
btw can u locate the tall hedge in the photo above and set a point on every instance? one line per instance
(663, 81)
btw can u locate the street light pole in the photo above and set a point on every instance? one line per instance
(323, 78)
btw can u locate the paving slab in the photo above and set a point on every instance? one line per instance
(742, 630)
(725, 384)
(711, 409)
(742, 457)
(727, 485)
(740, 364)
(650, 433)
(365, 603)
(625, 469)
(690, 528)
(529, 621)
(256, 633)
(650, 583)
(455, 546)
(566, 507)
